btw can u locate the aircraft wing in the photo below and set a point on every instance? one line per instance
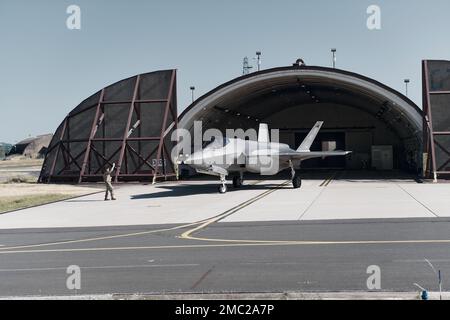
(213, 171)
(303, 155)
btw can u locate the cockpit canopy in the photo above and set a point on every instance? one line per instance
(216, 143)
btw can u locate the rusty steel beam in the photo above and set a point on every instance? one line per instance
(106, 161)
(430, 135)
(441, 133)
(73, 159)
(52, 170)
(91, 136)
(430, 120)
(164, 124)
(98, 148)
(127, 128)
(111, 139)
(439, 92)
(136, 101)
(145, 161)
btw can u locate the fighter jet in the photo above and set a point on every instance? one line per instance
(224, 157)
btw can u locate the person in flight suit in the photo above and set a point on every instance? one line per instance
(107, 178)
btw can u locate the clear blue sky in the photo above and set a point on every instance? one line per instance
(46, 69)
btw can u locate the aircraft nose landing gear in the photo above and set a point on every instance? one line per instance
(223, 187)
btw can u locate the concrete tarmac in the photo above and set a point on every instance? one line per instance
(330, 195)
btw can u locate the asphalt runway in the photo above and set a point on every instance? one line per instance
(215, 257)
(214, 249)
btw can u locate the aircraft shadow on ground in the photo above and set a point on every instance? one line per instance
(337, 174)
(270, 182)
(185, 190)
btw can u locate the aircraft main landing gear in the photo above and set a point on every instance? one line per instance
(237, 181)
(296, 180)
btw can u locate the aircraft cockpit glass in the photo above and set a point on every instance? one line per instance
(216, 143)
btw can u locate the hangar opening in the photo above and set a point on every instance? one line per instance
(381, 126)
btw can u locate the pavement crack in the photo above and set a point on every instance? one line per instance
(418, 201)
(203, 277)
(311, 204)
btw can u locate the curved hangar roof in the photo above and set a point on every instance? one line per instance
(250, 99)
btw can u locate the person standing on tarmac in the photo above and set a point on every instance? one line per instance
(108, 179)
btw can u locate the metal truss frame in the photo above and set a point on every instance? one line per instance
(432, 170)
(82, 160)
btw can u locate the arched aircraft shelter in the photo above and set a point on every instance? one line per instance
(130, 122)
(360, 114)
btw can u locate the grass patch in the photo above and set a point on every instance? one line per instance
(18, 163)
(21, 179)
(14, 203)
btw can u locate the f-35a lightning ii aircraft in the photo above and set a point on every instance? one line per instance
(223, 157)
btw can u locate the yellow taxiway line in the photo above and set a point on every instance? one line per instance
(99, 238)
(2, 248)
(202, 224)
(326, 182)
(187, 234)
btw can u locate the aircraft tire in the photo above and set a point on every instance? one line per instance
(223, 188)
(237, 182)
(296, 182)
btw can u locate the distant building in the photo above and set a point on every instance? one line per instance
(5, 148)
(35, 147)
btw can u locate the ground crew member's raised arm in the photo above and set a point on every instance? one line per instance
(107, 178)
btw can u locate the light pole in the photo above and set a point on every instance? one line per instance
(192, 91)
(334, 57)
(407, 81)
(258, 57)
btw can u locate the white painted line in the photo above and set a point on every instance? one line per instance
(423, 260)
(235, 243)
(274, 263)
(105, 267)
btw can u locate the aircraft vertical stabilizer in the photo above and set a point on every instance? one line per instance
(263, 134)
(306, 144)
